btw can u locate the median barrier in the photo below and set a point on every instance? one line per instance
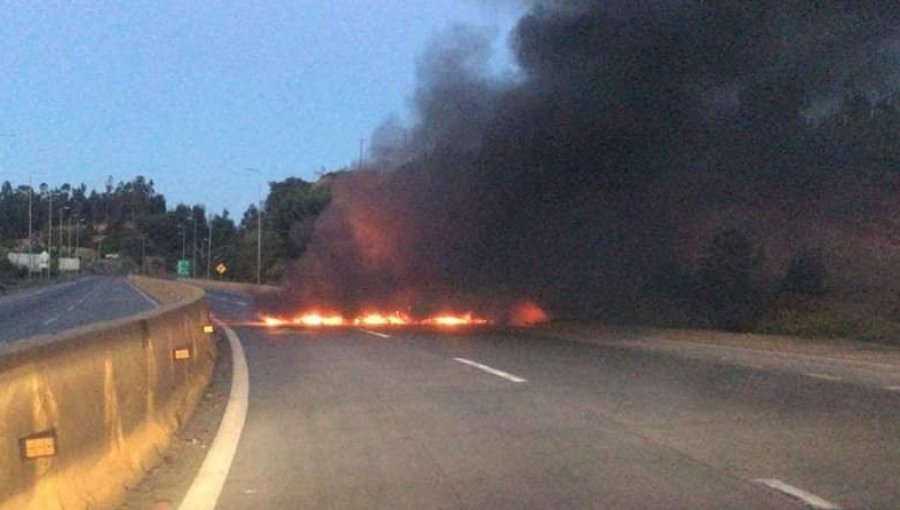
(84, 414)
(226, 286)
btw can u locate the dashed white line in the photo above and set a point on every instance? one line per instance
(143, 294)
(51, 320)
(207, 486)
(893, 388)
(491, 370)
(382, 335)
(808, 498)
(83, 298)
(824, 377)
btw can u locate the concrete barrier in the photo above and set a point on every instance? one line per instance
(231, 286)
(112, 395)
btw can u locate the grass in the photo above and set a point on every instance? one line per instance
(833, 322)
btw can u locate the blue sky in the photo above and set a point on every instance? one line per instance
(190, 93)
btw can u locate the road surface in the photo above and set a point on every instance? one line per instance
(57, 308)
(494, 418)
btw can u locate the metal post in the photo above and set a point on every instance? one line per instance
(182, 240)
(143, 256)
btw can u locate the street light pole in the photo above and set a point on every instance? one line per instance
(258, 226)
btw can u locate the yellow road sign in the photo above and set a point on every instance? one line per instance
(221, 268)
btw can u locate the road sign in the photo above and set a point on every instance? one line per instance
(221, 268)
(184, 267)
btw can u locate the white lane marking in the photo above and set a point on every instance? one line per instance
(225, 299)
(51, 320)
(382, 335)
(143, 294)
(825, 377)
(808, 498)
(84, 298)
(207, 486)
(892, 388)
(491, 370)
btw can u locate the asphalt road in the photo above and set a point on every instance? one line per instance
(495, 418)
(57, 308)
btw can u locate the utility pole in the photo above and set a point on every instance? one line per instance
(182, 241)
(50, 226)
(62, 219)
(259, 244)
(194, 246)
(143, 255)
(78, 238)
(30, 257)
(209, 248)
(69, 236)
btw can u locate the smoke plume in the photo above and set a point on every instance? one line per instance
(634, 130)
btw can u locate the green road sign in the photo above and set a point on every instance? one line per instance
(184, 268)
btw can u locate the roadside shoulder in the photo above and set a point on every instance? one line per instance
(857, 362)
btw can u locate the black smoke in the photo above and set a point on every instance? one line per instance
(634, 130)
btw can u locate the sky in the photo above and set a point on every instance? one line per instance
(191, 94)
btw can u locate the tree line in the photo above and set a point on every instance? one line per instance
(133, 220)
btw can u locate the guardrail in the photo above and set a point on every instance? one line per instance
(84, 414)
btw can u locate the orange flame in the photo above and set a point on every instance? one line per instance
(454, 320)
(316, 319)
(273, 322)
(527, 313)
(377, 319)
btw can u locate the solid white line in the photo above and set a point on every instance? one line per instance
(808, 498)
(207, 486)
(892, 388)
(51, 320)
(382, 335)
(490, 370)
(825, 377)
(143, 294)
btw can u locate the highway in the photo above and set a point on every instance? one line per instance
(503, 418)
(56, 308)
